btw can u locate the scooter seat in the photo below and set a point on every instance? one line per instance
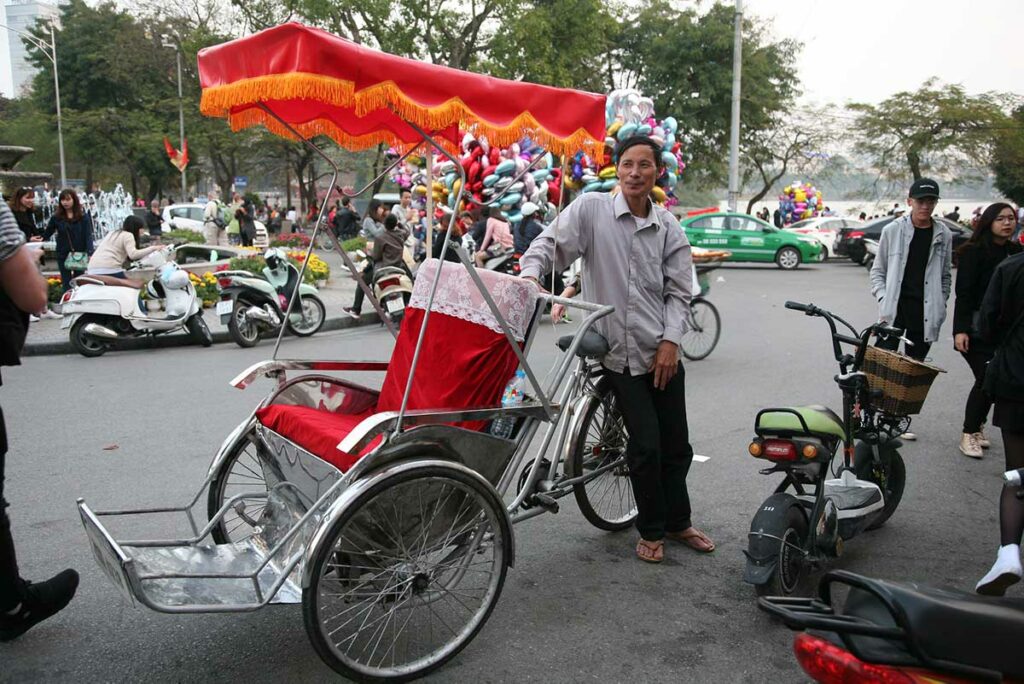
(849, 498)
(949, 625)
(592, 346)
(821, 420)
(92, 279)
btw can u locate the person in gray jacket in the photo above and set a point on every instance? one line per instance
(912, 274)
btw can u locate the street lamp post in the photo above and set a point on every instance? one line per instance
(734, 133)
(181, 109)
(52, 56)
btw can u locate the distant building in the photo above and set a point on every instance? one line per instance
(20, 15)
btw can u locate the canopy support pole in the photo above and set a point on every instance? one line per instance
(429, 231)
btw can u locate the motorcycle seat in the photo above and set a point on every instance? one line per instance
(853, 498)
(822, 421)
(592, 346)
(949, 625)
(93, 279)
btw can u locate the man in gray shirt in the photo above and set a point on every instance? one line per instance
(637, 258)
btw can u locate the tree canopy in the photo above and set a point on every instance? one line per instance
(1008, 156)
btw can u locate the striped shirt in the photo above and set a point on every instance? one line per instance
(11, 237)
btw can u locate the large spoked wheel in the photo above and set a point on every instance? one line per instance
(245, 332)
(791, 567)
(198, 329)
(84, 343)
(605, 500)
(241, 472)
(787, 258)
(407, 575)
(707, 328)
(313, 315)
(891, 477)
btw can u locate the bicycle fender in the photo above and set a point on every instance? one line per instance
(766, 529)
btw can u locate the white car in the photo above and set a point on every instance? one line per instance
(190, 217)
(825, 229)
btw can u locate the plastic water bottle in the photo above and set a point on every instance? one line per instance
(515, 394)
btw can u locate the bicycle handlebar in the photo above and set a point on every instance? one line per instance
(880, 329)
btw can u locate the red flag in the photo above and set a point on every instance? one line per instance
(178, 158)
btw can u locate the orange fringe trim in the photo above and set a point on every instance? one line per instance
(219, 100)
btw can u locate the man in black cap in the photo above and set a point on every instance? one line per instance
(912, 274)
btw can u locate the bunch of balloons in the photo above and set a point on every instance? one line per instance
(628, 113)
(800, 201)
(489, 172)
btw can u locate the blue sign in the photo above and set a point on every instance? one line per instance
(241, 181)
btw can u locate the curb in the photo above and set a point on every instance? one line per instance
(183, 339)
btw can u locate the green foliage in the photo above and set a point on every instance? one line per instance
(1008, 157)
(181, 236)
(352, 244)
(935, 129)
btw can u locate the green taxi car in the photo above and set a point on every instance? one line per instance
(751, 239)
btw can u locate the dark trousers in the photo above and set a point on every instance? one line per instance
(978, 403)
(918, 350)
(659, 452)
(10, 590)
(66, 276)
(357, 303)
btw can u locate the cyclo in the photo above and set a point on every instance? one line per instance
(382, 512)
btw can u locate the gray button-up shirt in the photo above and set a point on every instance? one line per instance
(643, 268)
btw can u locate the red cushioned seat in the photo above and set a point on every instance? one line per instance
(465, 361)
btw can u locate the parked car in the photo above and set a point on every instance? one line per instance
(851, 240)
(190, 217)
(825, 229)
(751, 239)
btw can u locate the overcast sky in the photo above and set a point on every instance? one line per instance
(866, 50)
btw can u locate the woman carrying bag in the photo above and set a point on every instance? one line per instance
(73, 229)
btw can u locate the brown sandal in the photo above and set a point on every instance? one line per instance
(693, 538)
(650, 552)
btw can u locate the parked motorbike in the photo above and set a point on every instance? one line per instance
(904, 632)
(252, 306)
(796, 531)
(506, 262)
(870, 250)
(102, 310)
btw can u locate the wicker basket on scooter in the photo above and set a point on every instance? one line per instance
(904, 382)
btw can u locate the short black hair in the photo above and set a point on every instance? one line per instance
(346, 200)
(635, 140)
(390, 221)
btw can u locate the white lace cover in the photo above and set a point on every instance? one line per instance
(458, 296)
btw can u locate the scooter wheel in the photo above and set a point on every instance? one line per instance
(198, 329)
(790, 567)
(244, 332)
(86, 344)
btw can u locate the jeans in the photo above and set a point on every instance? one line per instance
(10, 585)
(978, 403)
(658, 453)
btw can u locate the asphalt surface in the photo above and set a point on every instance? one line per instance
(578, 606)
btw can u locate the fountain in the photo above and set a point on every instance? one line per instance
(10, 179)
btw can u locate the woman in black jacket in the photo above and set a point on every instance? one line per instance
(988, 247)
(1002, 324)
(23, 206)
(73, 228)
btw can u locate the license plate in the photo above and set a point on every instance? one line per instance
(395, 305)
(224, 307)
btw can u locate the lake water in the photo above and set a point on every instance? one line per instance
(853, 207)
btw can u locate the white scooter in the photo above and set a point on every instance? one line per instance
(102, 310)
(392, 287)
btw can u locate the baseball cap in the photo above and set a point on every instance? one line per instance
(924, 187)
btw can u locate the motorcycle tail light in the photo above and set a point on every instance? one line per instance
(779, 450)
(224, 282)
(387, 282)
(855, 234)
(810, 451)
(66, 297)
(825, 662)
(756, 449)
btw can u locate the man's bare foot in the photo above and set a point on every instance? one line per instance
(650, 551)
(694, 538)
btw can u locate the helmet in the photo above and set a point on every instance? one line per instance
(529, 208)
(274, 258)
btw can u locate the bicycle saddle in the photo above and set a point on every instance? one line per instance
(592, 346)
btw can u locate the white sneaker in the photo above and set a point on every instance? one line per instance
(1005, 572)
(969, 445)
(982, 439)
(33, 318)
(50, 314)
(909, 436)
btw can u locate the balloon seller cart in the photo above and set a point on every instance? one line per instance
(382, 512)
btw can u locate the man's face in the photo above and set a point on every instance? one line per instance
(637, 171)
(406, 199)
(921, 209)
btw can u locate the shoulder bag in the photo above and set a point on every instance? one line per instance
(75, 261)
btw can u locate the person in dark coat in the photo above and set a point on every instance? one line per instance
(246, 226)
(346, 220)
(23, 206)
(72, 227)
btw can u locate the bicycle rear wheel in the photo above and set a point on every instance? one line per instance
(707, 328)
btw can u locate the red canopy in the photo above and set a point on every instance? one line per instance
(322, 84)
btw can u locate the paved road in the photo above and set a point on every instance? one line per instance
(577, 606)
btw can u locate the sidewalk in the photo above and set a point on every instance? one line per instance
(46, 336)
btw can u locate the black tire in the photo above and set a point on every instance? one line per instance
(701, 341)
(791, 569)
(363, 564)
(607, 500)
(84, 344)
(316, 313)
(890, 476)
(198, 329)
(241, 471)
(788, 258)
(244, 333)
(824, 253)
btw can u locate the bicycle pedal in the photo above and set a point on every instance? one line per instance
(546, 502)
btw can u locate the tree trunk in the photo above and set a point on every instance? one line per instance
(378, 166)
(914, 161)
